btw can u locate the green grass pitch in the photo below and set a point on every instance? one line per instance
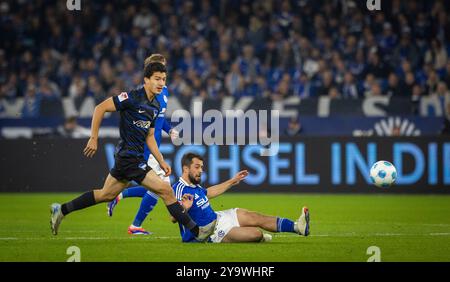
(343, 227)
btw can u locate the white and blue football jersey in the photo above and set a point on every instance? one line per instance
(201, 211)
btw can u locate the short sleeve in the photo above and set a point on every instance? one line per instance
(122, 101)
(180, 190)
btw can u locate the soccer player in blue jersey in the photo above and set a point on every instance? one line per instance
(149, 199)
(233, 225)
(138, 111)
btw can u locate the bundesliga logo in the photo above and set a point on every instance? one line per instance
(73, 5)
(373, 5)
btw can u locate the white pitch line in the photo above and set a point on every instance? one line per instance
(368, 235)
(89, 238)
(177, 237)
(384, 223)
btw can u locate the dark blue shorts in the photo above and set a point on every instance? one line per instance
(129, 169)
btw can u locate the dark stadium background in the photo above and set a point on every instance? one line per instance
(336, 72)
(351, 85)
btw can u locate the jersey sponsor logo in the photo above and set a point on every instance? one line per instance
(142, 124)
(123, 96)
(202, 203)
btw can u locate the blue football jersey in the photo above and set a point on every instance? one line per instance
(201, 211)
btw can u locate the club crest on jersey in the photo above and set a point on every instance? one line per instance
(142, 124)
(123, 96)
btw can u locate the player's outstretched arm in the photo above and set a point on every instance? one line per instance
(151, 143)
(221, 188)
(97, 117)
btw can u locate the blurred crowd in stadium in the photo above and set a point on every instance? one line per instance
(214, 49)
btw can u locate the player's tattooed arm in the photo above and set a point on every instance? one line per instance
(97, 117)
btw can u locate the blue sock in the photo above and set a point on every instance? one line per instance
(137, 191)
(147, 204)
(285, 225)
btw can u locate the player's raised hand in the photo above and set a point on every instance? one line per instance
(90, 148)
(167, 169)
(174, 134)
(241, 175)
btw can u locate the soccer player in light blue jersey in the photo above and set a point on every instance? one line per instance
(233, 225)
(149, 199)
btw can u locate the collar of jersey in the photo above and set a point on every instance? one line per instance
(145, 94)
(187, 184)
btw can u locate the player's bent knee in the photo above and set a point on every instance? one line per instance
(256, 235)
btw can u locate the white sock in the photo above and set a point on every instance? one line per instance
(266, 238)
(296, 227)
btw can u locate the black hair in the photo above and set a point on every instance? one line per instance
(151, 68)
(186, 160)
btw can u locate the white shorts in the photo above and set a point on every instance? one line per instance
(153, 163)
(226, 220)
